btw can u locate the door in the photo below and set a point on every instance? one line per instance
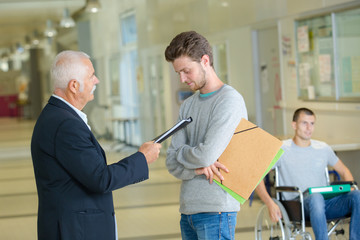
(269, 114)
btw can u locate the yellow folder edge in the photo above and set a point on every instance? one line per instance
(237, 196)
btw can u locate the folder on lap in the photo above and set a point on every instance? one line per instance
(330, 191)
(250, 155)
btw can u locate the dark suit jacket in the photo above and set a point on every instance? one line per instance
(73, 180)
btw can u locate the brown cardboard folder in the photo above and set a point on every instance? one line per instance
(249, 156)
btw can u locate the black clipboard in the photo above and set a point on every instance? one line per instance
(183, 123)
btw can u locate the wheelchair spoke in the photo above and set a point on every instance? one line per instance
(266, 229)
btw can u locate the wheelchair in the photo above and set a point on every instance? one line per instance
(293, 225)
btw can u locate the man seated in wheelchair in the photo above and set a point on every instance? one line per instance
(303, 165)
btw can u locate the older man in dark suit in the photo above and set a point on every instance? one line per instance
(73, 180)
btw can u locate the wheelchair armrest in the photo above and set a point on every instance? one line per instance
(344, 182)
(287, 189)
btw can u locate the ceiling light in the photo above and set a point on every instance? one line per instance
(50, 31)
(92, 6)
(224, 3)
(4, 62)
(67, 21)
(4, 65)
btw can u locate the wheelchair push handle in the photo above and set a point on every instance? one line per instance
(344, 182)
(287, 189)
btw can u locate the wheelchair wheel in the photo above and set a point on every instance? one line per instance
(341, 232)
(265, 229)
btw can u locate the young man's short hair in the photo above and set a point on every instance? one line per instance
(302, 110)
(190, 44)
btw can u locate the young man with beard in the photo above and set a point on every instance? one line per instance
(207, 211)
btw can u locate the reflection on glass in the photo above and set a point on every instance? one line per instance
(326, 71)
(348, 52)
(114, 65)
(220, 61)
(128, 29)
(315, 57)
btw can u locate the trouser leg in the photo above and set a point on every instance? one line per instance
(314, 206)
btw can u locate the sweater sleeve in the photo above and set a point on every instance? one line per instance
(224, 118)
(176, 168)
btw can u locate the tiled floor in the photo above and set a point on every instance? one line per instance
(148, 210)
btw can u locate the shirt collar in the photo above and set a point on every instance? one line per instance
(82, 115)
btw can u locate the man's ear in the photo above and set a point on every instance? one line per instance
(205, 60)
(73, 86)
(293, 124)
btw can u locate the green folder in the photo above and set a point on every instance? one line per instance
(331, 191)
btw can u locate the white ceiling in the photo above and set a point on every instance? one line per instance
(19, 18)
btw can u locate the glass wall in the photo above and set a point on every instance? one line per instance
(328, 57)
(348, 53)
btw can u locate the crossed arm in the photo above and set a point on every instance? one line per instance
(211, 170)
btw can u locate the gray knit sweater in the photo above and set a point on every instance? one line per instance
(200, 144)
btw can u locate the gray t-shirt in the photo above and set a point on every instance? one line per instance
(200, 144)
(304, 167)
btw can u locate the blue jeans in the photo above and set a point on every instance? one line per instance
(318, 210)
(208, 226)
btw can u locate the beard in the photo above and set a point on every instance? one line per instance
(202, 81)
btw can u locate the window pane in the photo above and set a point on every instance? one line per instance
(348, 52)
(220, 61)
(128, 29)
(315, 58)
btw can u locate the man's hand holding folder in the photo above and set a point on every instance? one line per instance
(249, 156)
(209, 171)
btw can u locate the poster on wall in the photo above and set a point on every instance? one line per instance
(286, 45)
(325, 68)
(304, 75)
(303, 39)
(114, 64)
(350, 73)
